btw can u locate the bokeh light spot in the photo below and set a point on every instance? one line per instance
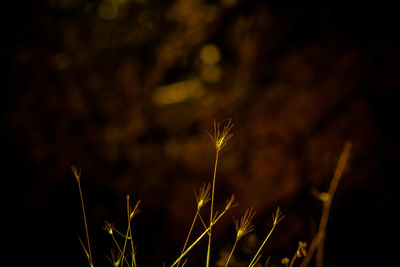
(210, 54)
(177, 92)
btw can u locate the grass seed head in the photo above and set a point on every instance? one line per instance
(76, 173)
(244, 226)
(229, 203)
(115, 258)
(135, 210)
(301, 250)
(203, 196)
(109, 228)
(277, 217)
(221, 136)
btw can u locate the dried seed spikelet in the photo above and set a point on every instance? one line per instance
(244, 226)
(203, 196)
(285, 261)
(301, 250)
(229, 203)
(76, 173)
(109, 228)
(135, 210)
(221, 137)
(277, 217)
(115, 258)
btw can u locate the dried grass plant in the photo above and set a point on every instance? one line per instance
(121, 255)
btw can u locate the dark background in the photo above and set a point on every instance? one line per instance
(127, 90)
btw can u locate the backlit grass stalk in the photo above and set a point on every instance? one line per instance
(110, 229)
(87, 250)
(318, 241)
(228, 206)
(211, 210)
(276, 218)
(219, 139)
(131, 214)
(129, 227)
(133, 249)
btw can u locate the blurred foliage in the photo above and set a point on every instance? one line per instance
(127, 88)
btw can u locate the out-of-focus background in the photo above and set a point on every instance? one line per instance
(126, 90)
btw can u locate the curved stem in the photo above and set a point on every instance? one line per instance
(293, 259)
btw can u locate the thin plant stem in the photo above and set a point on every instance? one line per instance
(230, 254)
(293, 259)
(131, 214)
(190, 232)
(127, 231)
(120, 250)
(202, 221)
(259, 250)
(318, 241)
(200, 237)
(133, 249)
(85, 222)
(212, 208)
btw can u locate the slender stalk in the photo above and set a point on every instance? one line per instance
(133, 249)
(319, 256)
(127, 231)
(200, 237)
(318, 241)
(120, 250)
(131, 213)
(202, 221)
(230, 254)
(85, 221)
(212, 207)
(259, 250)
(293, 259)
(190, 232)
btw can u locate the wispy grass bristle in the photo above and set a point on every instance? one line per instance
(203, 196)
(244, 226)
(220, 137)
